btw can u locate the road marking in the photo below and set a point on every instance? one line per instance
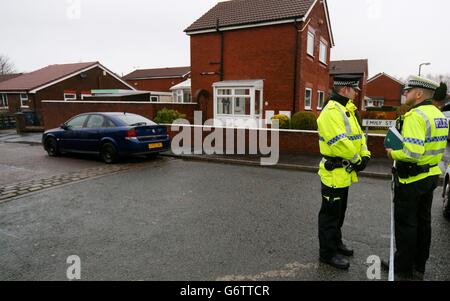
(290, 271)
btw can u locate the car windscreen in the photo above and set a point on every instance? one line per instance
(134, 120)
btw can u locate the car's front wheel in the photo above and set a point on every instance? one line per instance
(51, 146)
(447, 200)
(109, 153)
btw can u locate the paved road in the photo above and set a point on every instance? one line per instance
(177, 220)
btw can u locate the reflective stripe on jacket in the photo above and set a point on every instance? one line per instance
(425, 132)
(340, 135)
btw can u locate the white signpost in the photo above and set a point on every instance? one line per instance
(374, 123)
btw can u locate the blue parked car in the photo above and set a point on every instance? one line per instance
(110, 135)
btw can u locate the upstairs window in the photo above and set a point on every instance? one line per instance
(323, 56)
(310, 47)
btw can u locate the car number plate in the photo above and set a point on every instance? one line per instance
(155, 145)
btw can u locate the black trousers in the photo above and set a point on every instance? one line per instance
(412, 205)
(331, 219)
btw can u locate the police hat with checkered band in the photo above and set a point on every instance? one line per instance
(420, 82)
(347, 81)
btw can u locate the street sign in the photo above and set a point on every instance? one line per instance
(378, 123)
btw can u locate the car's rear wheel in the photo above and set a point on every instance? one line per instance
(51, 146)
(446, 201)
(108, 153)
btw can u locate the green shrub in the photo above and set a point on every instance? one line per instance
(166, 116)
(304, 121)
(284, 121)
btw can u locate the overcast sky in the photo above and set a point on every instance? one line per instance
(395, 35)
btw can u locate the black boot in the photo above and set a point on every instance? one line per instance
(344, 250)
(337, 261)
(399, 276)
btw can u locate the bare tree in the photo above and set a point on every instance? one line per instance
(6, 66)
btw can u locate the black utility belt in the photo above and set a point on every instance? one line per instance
(405, 170)
(332, 163)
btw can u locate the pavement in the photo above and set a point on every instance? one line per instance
(11, 136)
(181, 220)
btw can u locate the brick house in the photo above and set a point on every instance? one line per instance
(56, 82)
(255, 58)
(161, 79)
(385, 90)
(357, 68)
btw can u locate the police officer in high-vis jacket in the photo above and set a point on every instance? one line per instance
(425, 131)
(344, 150)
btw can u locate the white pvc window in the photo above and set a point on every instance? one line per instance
(154, 98)
(23, 100)
(3, 101)
(323, 52)
(182, 96)
(320, 99)
(70, 96)
(236, 102)
(308, 97)
(310, 47)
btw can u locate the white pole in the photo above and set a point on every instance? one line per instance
(391, 256)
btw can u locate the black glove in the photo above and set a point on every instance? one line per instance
(362, 165)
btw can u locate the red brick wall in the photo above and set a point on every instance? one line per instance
(159, 85)
(387, 88)
(56, 113)
(293, 142)
(262, 53)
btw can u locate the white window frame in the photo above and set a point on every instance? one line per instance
(154, 96)
(4, 101)
(308, 108)
(310, 43)
(24, 99)
(70, 98)
(319, 92)
(323, 57)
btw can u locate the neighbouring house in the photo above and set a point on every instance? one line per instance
(385, 90)
(357, 68)
(253, 59)
(56, 82)
(161, 79)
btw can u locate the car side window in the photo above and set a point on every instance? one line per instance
(77, 122)
(95, 122)
(109, 123)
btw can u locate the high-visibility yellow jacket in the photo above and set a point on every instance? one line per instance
(425, 132)
(340, 135)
